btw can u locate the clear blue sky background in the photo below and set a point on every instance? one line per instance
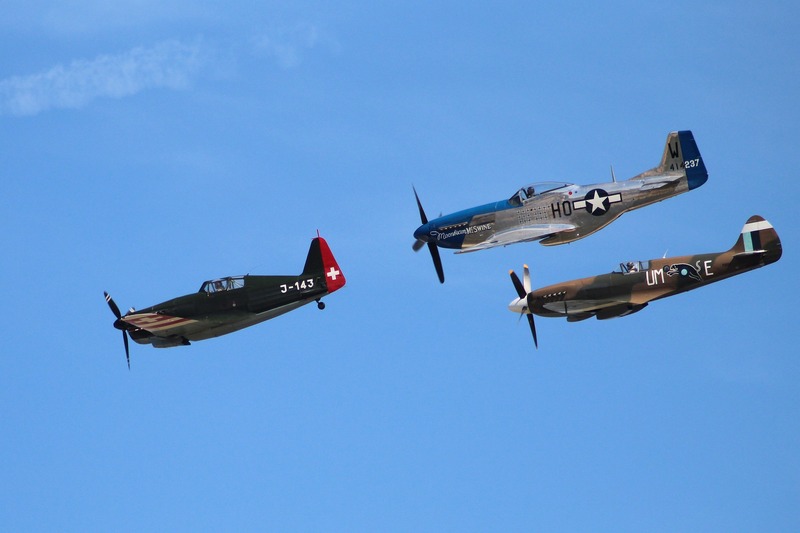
(147, 147)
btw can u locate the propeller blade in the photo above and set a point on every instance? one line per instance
(115, 310)
(533, 330)
(526, 278)
(112, 305)
(530, 321)
(437, 261)
(127, 353)
(417, 246)
(517, 284)
(523, 290)
(419, 205)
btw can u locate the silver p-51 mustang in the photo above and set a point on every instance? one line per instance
(558, 212)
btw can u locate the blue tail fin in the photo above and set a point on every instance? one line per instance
(692, 161)
(680, 156)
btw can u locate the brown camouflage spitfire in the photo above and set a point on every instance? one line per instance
(630, 288)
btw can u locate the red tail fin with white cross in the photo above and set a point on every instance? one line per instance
(320, 259)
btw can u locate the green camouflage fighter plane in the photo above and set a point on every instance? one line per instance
(229, 304)
(637, 283)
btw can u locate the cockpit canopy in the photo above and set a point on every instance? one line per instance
(633, 266)
(535, 189)
(222, 284)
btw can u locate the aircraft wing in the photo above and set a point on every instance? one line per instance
(580, 306)
(161, 325)
(532, 232)
(602, 309)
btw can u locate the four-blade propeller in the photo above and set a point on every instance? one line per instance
(524, 292)
(437, 261)
(118, 324)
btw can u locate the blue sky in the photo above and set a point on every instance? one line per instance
(148, 147)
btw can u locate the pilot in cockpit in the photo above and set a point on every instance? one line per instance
(530, 192)
(633, 267)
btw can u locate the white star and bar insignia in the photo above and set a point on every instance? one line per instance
(597, 202)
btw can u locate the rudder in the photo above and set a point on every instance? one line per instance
(320, 260)
(693, 165)
(759, 237)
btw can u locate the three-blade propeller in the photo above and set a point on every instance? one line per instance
(118, 325)
(524, 292)
(437, 261)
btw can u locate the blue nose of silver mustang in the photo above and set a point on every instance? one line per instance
(423, 233)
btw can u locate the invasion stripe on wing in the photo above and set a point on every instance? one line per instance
(156, 322)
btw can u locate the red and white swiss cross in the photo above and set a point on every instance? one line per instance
(333, 274)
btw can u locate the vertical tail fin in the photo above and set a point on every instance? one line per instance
(759, 237)
(681, 155)
(320, 260)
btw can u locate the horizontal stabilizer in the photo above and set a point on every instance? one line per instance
(650, 184)
(653, 186)
(754, 252)
(748, 259)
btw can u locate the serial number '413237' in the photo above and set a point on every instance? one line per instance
(298, 285)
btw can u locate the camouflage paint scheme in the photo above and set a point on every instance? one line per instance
(229, 304)
(629, 290)
(558, 213)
